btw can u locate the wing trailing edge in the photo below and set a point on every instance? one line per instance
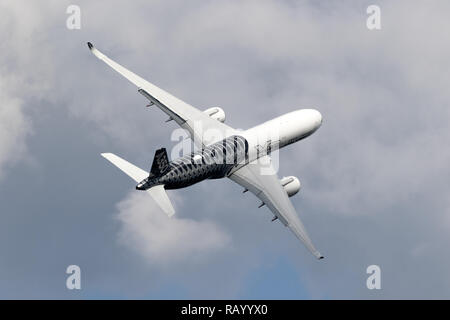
(267, 187)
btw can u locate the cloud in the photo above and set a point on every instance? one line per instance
(14, 126)
(162, 241)
(25, 75)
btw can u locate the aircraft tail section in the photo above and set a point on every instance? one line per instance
(158, 193)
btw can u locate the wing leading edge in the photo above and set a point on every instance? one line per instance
(264, 183)
(186, 116)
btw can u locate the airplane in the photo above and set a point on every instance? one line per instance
(222, 151)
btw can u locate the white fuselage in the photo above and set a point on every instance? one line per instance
(229, 154)
(281, 131)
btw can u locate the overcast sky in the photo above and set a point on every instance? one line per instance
(375, 177)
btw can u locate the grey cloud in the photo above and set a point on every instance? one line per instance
(14, 126)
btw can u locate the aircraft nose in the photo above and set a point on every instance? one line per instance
(317, 116)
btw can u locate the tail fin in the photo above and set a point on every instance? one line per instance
(160, 162)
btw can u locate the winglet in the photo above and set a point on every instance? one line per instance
(100, 55)
(318, 255)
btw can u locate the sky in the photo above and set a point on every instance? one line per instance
(375, 177)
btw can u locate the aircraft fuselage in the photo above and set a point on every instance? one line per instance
(222, 158)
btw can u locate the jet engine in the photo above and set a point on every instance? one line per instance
(216, 113)
(291, 184)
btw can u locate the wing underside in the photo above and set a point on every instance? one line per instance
(262, 181)
(203, 129)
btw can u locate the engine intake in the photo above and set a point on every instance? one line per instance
(216, 113)
(291, 185)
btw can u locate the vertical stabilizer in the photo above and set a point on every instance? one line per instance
(160, 162)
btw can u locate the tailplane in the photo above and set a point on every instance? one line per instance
(158, 193)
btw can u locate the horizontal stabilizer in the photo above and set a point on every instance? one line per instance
(158, 193)
(135, 173)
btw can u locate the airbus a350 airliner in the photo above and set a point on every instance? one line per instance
(242, 156)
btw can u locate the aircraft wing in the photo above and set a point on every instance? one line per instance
(263, 181)
(202, 129)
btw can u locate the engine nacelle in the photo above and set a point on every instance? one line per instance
(291, 184)
(216, 113)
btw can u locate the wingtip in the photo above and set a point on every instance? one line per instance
(90, 45)
(171, 214)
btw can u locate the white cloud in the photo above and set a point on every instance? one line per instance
(14, 126)
(162, 240)
(25, 74)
